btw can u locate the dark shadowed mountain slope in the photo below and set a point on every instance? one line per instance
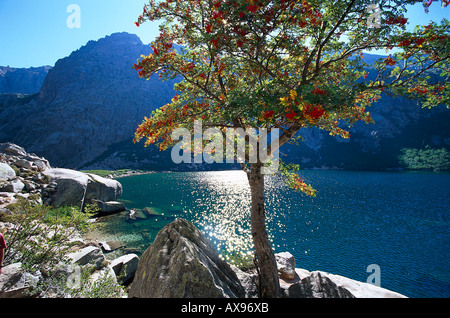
(22, 80)
(88, 101)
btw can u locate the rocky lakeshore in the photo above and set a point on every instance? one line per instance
(180, 263)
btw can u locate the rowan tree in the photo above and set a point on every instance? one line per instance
(286, 65)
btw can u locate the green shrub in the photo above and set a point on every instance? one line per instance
(105, 286)
(40, 240)
(40, 236)
(243, 261)
(425, 159)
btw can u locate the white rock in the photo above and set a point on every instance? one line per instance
(13, 186)
(14, 281)
(88, 255)
(6, 172)
(125, 267)
(42, 164)
(22, 163)
(12, 149)
(286, 265)
(363, 290)
(75, 187)
(103, 273)
(318, 284)
(110, 206)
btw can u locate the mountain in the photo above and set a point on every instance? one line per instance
(91, 102)
(399, 123)
(22, 80)
(88, 101)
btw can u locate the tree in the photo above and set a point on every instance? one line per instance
(285, 65)
(427, 159)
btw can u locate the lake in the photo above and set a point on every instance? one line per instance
(396, 220)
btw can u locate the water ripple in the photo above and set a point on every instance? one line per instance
(399, 221)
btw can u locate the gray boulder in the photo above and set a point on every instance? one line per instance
(182, 263)
(313, 285)
(125, 267)
(11, 149)
(300, 283)
(12, 186)
(41, 164)
(286, 265)
(109, 207)
(77, 188)
(6, 172)
(89, 255)
(249, 280)
(22, 163)
(320, 284)
(14, 282)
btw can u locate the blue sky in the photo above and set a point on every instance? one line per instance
(35, 32)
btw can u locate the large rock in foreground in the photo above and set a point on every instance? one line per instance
(75, 188)
(318, 284)
(14, 281)
(182, 263)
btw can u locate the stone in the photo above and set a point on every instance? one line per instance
(249, 280)
(30, 186)
(137, 215)
(125, 267)
(286, 265)
(314, 285)
(22, 163)
(102, 274)
(42, 164)
(363, 290)
(71, 186)
(109, 207)
(182, 263)
(6, 172)
(14, 281)
(75, 187)
(109, 246)
(318, 284)
(89, 255)
(4, 212)
(12, 149)
(12, 186)
(6, 198)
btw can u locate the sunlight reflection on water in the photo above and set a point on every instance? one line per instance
(399, 221)
(225, 221)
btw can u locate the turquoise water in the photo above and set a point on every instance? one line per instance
(399, 221)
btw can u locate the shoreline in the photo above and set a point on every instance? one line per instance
(116, 174)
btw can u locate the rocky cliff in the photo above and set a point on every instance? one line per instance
(28, 176)
(88, 101)
(399, 123)
(91, 103)
(22, 80)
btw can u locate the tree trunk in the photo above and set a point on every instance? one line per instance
(268, 279)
